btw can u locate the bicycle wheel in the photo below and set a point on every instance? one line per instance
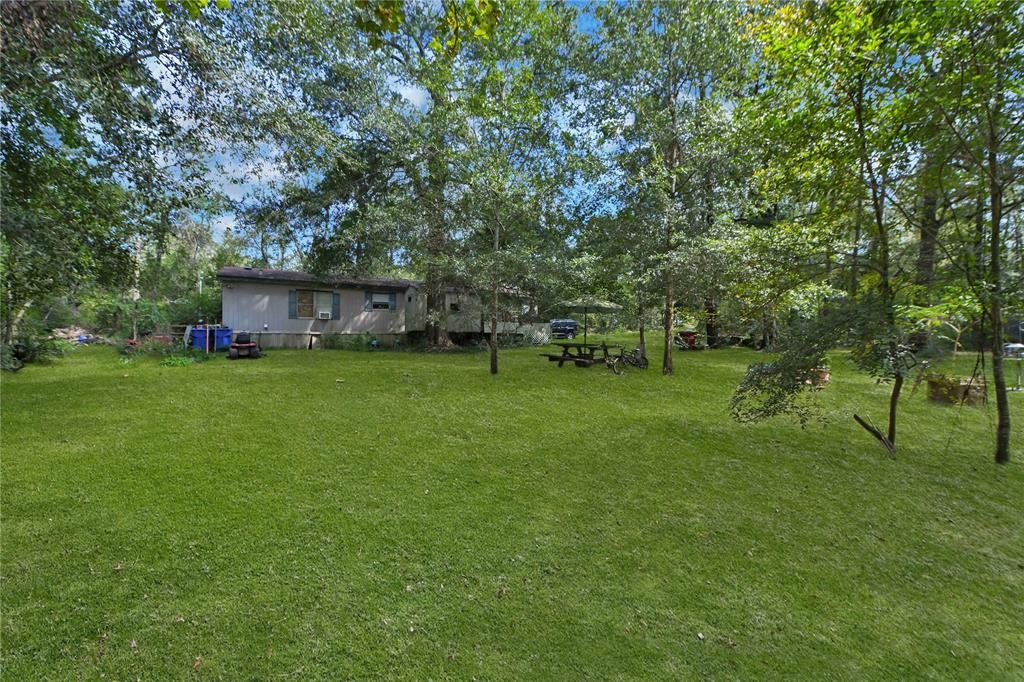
(616, 365)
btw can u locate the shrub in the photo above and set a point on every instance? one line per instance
(32, 345)
(332, 340)
(117, 314)
(518, 340)
(8, 361)
(782, 385)
(196, 354)
(337, 341)
(158, 347)
(193, 306)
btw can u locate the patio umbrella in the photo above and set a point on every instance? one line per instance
(587, 305)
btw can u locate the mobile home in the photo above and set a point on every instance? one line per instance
(290, 309)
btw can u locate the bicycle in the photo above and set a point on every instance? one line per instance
(635, 358)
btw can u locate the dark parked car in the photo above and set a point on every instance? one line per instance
(564, 329)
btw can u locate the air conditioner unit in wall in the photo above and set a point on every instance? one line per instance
(322, 315)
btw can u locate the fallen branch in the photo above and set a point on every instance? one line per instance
(870, 428)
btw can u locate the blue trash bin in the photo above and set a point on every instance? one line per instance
(219, 338)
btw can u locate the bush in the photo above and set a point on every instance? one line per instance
(194, 306)
(782, 385)
(174, 355)
(8, 361)
(196, 354)
(332, 340)
(114, 315)
(32, 345)
(337, 341)
(531, 338)
(158, 347)
(186, 355)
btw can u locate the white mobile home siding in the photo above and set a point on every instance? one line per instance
(259, 306)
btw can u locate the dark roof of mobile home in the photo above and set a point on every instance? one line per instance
(246, 274)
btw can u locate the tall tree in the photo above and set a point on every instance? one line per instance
(99, 99)
(662, 75)
(836, 105)
(969, 75)
(515, 160)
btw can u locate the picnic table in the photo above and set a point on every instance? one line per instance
(580, 354)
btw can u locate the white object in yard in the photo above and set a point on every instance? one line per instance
(1016, 351)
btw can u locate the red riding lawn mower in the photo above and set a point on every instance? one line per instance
(243, 347)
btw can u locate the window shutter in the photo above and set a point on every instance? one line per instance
(393, 301)
(335, 306)
(368, 304)
(293, 305)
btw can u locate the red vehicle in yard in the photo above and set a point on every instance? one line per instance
(243, 347)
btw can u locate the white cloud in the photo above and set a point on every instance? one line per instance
(223, 224)
(416, 95)
(235, 192)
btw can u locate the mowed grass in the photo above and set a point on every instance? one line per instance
(343, 515)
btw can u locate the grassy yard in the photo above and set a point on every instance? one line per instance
(359, 515)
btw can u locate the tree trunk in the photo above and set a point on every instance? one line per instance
(926, 249)
(996, 312)
(159, 248)
(671, 161)
(768, 332)
(855, 252)
(437, 309)
(135, 293)
(994, 112)
(894, 400)
(979, 237)
(494, 301)
(925, 273)
(876, 185)
(8, 335)
(494, 329)
(643, 337)
(1020, 253)
(437, 323)
(666, 364)
(711, 324)
(12, 322)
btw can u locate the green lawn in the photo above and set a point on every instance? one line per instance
(360, 515)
